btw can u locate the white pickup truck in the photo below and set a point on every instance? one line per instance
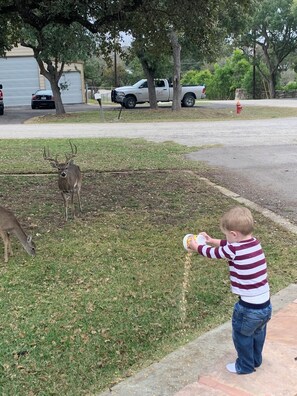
(129, 96)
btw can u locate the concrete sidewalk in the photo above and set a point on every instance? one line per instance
(198, 368)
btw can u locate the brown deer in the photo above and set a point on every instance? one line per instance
(9, 224)
(70, 178)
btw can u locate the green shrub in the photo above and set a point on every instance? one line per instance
(222, 83)
(290, 86)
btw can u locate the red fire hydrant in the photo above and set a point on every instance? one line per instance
(238, 107)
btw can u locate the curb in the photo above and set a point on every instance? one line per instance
(265, 212)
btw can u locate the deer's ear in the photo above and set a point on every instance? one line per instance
(53, 164)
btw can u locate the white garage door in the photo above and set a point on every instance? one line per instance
(20, 78)
(72, 92)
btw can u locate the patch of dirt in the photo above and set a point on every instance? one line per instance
(169, 197)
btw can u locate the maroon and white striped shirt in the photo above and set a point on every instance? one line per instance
(247, 265)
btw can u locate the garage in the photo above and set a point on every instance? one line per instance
(70, 82)
(20, 77)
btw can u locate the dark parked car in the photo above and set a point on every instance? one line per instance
(43, 98)
(1, 101)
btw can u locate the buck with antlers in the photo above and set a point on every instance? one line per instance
(70, 178)
(9, 224)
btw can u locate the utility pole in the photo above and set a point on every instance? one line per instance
(254, 64)
(115, 56)
(115, 68)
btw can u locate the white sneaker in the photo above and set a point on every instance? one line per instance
(231, 368)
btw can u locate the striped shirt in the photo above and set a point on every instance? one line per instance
(247, 265)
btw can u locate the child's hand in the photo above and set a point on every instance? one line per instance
(208, 238)
(193, 245)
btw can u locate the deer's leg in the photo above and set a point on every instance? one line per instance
(72, 204)
(7, 246)
(78, 199)
(65, 200)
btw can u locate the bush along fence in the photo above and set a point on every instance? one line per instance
(279, 94)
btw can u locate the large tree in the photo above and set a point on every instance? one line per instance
(169, 26)
(165, 23)
(155, 64)
(272, 32)
(56, 31)
(95, 15)
(54, 46)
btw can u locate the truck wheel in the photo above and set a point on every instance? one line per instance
(130, 102)
(1, 111)
(188, 100)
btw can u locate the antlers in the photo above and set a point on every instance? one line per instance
(54, 161)
(46, 156)
(73, 152)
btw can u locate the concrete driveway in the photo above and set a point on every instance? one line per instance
(256, 159)
(19, 114)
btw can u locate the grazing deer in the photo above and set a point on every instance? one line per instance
(70, 178)
(9, 224)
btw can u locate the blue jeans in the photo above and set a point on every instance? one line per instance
(249, 332)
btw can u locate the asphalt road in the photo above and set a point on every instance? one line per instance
(20, 114)
(256, 159)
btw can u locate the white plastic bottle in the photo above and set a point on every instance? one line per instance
(200, 239)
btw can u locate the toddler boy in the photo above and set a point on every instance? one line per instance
(248, 276)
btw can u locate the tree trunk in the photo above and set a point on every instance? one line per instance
(271, 90)
(57, 95)
(52, 74)
(150, 75)
(177, 89)
(272, 85)
(272, 70)
(152, 91)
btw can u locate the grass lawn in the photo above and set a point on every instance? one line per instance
(105, 295)
(205, 111)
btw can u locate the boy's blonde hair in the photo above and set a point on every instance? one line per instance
(239, 219)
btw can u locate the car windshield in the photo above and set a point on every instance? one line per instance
(142, 85)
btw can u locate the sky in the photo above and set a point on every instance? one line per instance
(127, 39)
